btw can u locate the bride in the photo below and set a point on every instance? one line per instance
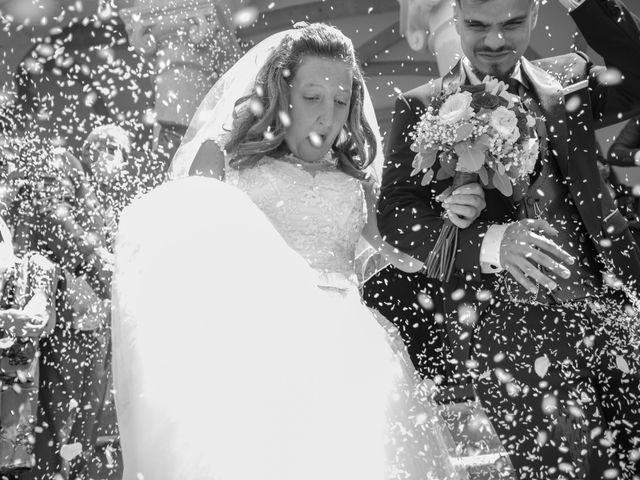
(241, 348)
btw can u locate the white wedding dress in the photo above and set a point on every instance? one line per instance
(241, 348)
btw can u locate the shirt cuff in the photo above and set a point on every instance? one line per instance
(490, 249)
(571, 4)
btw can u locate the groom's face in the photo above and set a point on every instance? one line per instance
(495, 33)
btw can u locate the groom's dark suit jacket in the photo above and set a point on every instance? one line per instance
(409, 215)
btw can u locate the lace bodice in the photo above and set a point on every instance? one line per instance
(319, 212)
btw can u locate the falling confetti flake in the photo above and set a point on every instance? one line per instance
(256, 107)
(610, 77)
(573, 104)
(541, 366)
(425, 301)
(622, 364)
(285, 119)
(315, 139)
(71, 451)
(245, 17)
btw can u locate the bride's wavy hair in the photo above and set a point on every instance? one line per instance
(258, 127)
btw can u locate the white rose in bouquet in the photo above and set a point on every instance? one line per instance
(505, 122)
(455, 108)
(493, 85)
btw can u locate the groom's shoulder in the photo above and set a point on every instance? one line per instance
(566, 69)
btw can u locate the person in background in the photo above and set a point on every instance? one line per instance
(625, 152)
(28, 287)
(73, 220)
(107, 160)
(113, 180)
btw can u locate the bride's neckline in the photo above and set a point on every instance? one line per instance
(326, 164)
(328, 159)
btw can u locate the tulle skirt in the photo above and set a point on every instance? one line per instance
(230, 363)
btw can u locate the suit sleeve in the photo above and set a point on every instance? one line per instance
(409, 216)
(627, 144)
(614, 33)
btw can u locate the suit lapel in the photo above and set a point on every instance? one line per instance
(549, 92)
(455, 76)
(579, 170)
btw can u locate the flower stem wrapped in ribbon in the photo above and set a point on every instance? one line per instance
(473, 132)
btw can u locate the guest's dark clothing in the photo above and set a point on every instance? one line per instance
(626, 145)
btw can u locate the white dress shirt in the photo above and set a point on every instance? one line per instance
(571, 4)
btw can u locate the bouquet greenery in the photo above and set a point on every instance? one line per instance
(473, 132)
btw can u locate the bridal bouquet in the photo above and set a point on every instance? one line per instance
(474, 132)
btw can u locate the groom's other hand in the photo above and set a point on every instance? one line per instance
(465, 204)
(526, 250)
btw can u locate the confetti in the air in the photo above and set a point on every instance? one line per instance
(315, 139)
(622, 364)
(98, 99)
(245, 16)
(425, 301)
(71, 451)
(541, 366)
(285, 119)
(610, 77)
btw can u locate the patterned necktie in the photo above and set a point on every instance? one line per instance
(517, 88)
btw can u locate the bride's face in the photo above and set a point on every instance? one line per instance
(319, 100)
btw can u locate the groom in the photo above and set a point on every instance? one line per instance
(532, 322)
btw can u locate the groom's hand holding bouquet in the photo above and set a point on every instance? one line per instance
(485, 132)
